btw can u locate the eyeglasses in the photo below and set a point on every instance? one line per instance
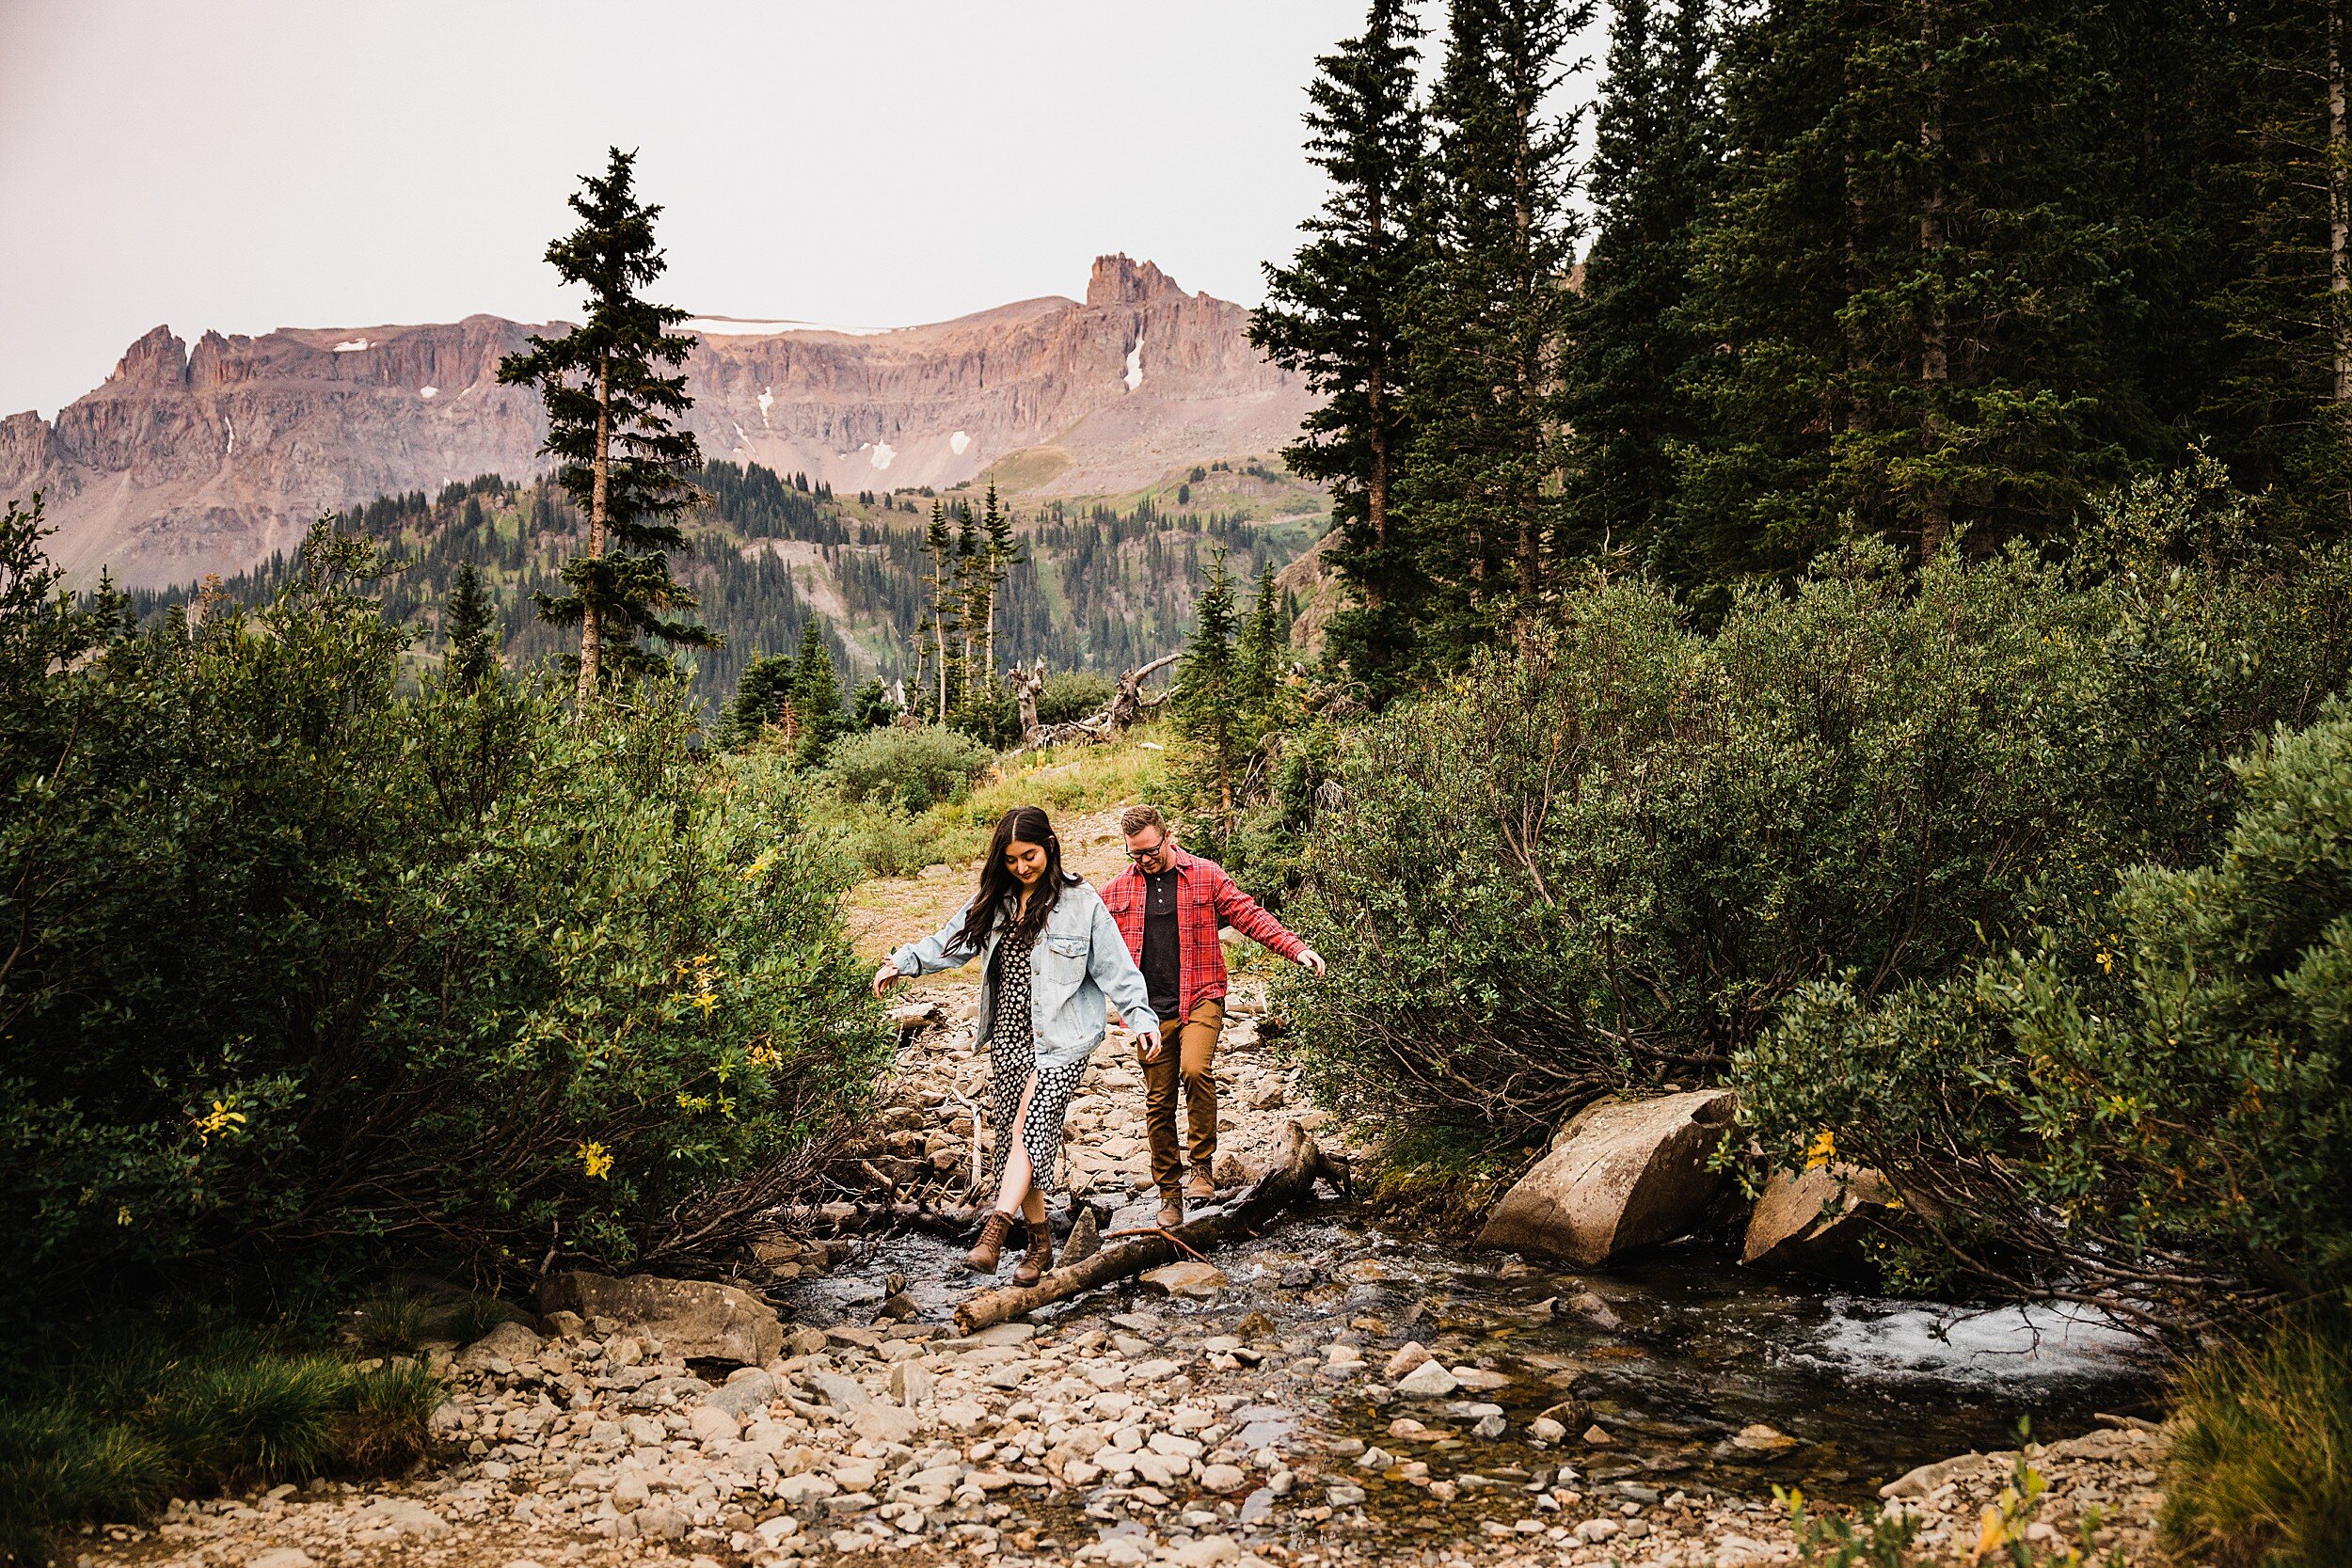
(1147, 854)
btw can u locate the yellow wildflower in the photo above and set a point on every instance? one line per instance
(219, 1120)
(1824, 1150)
(593, 1159)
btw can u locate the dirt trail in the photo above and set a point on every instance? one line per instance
(890, 911)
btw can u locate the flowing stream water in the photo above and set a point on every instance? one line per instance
(1676, 1354)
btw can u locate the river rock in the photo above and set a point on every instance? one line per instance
(746, 1394)
(1410, 1355)
(709, 1423)
(1188, 1276)
(1427, 1381)
(694, 1319)
(509, 1341)
(1813, 1221)
(1627, 1174)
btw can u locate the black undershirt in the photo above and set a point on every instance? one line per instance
(1163, 963)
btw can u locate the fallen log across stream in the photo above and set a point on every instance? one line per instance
(1290, 1180)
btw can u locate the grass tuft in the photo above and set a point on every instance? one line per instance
(397, 1320)
(106, 1426)
(2262, 1472)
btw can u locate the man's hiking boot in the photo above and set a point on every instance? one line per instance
(1172, 1210)
(1199, 1188)
(983, 1256)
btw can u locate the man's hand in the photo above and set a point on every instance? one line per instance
(1310, 960)
(885, 978)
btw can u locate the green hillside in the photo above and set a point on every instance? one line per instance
(1105, 583)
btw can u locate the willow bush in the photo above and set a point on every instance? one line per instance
(1608, 858)
(2146, 1104)
(302, 966)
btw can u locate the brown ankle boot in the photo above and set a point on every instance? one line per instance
(983, 1256)
(1040, 1256)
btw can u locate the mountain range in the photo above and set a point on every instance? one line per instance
(188, 462)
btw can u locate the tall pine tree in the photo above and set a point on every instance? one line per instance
(765, 696)
(1490, 321)
(817, 696)
(1262, 656)
(469, 622)
(1206, 698)
(1913, 287)
(612, 426)
(1338, 314)
(1652, 180)
(2279, 403)
(941, 630)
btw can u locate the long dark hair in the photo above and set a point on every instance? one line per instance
(1000, 890)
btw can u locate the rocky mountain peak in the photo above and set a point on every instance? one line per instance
(157, 360)
(1117, 281)
(187, 463)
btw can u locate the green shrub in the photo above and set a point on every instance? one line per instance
(1610, 859)
(2149, 1100)
(912, 767)
(313, 968)
(1071, 695)
(2262, 1471)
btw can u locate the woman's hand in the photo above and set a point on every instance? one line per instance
(1151, 1047)
(886, 977)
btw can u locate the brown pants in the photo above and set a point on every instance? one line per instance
(1187, 1046)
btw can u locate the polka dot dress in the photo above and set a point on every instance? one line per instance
(1013, 1058)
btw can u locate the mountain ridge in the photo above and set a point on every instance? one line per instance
(189, 461)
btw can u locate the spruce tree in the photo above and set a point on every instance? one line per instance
(817, 696)
(941, 624)
(1490, 323)
(1207, 693)
(469, 623)
(871, 708)
(973, 591)
(1652, 179)
(1262, 652)
(2278, 396)
(765, 695)
(612, 418)
(1338, 315)
(1914, 289)
(1004, 554)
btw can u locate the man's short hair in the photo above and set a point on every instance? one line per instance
(1135, 818)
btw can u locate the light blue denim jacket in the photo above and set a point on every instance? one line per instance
(1080, 960)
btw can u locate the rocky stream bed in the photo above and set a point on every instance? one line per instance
(1325, 1393)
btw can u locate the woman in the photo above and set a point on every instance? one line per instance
(1054, 953)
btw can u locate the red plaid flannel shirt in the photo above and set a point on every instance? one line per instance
(1206, 898)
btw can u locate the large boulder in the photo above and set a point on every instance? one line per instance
(1814, 1220)
(1624, 1174)
(694, 1319)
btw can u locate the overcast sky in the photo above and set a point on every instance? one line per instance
(245, 165)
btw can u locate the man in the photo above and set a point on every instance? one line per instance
(1168, 906)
